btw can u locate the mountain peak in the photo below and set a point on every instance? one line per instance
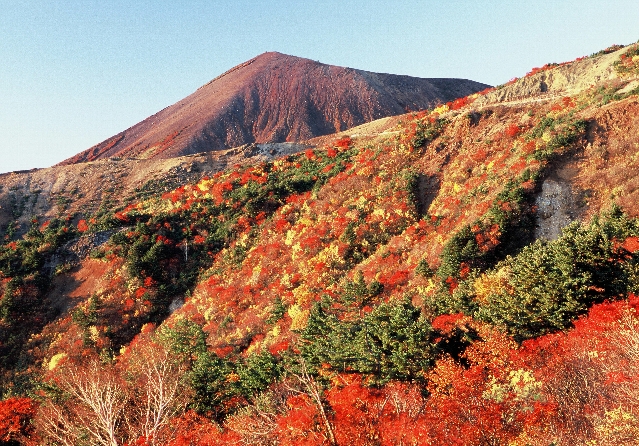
(274, 97)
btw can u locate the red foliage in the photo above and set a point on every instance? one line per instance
(529, 147)
(518, 166)
(568, 102)
(452, 284)
(458, 103)
(223, 352)
(479, 155)
(276, 349)
(15, 418)
(446, 323)
(631, 244)
(512, 130)
(486, 91)
(120, 216)
(343, 143)
(300, 425)
(82, 226)
(195, 430)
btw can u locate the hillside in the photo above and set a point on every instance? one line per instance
(466, 274)
(102, 185)
(275, 98)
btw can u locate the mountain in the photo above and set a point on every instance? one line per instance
(275, 98)
(465, 274)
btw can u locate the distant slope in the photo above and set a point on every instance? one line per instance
(87, 187)
(275, 98)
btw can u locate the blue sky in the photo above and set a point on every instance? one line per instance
(75, 72)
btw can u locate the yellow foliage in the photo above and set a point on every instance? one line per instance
(495, 283)
(256, 275)
(290, 237)
(208, 314)
(428, 289)
(299, 317)
(93, 330)
(441, 109)
(330, 255)
(366, 171)
(616, 427)
(379, 212)
(302, 295)
(272, 334)
(254, 347)
(306, 222)
(55, 360)
(521, 384)
(232, 377)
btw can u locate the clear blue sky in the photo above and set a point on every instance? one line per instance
(75, 72)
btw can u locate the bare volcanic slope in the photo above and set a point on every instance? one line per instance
(275, 98)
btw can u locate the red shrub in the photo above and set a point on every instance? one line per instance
(512, 130)
(82, 226)
(15, 418)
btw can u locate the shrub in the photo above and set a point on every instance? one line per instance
(628, 62)
(550, 284)
(394, 341)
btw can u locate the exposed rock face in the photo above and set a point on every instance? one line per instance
(275, 98)
(560, 202)
(555, 209)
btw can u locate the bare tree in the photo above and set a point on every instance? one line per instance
(159, 393)
(106, 405)
(256, 423)
(89, 408)
(314, 391)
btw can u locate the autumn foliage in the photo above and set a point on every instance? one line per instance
(383, 291)
(15, 419)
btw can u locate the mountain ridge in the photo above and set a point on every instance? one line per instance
(274, 98)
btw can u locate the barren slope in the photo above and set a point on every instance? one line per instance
(84, 188)
(275, 98)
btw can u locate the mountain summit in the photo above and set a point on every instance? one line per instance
(275, 98)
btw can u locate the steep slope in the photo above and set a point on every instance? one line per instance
(355, 291)
(275, 98)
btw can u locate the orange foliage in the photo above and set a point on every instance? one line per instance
(15, 419)
(82, 226)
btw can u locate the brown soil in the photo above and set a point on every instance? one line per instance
(67, 290)
(82, 188)
(566, 80)
(275, 98)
